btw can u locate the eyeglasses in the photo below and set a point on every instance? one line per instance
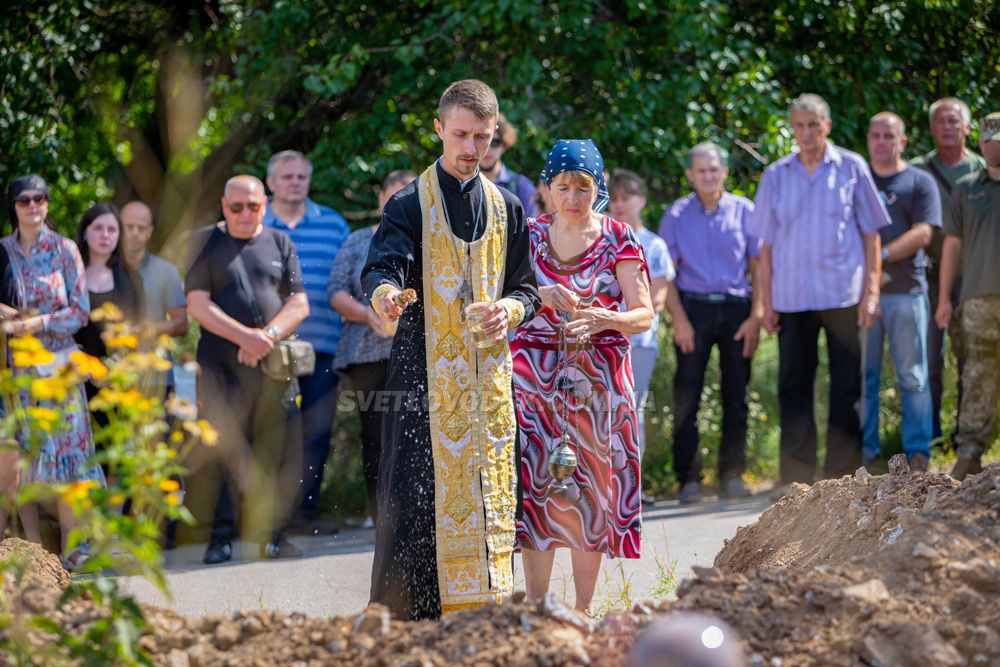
(496, 143)
(24, 200)
(238, 207)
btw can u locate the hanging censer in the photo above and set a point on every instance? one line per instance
(562, 460)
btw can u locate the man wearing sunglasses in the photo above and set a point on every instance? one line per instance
(258, 455)
(495, 170)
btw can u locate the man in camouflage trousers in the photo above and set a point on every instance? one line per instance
(972, 236)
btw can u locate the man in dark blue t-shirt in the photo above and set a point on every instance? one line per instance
(914, 204)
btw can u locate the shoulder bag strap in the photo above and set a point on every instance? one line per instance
(945, 183)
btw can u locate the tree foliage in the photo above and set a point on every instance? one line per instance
(115, 99)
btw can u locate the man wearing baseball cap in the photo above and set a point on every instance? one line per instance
(972, 236)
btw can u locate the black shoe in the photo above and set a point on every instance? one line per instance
(302, 526)
(217, 552)
(734, 487)
(280, 549)
(690, 493)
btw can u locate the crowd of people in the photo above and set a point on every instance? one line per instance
(501, 403)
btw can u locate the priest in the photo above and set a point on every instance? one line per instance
(447, 489)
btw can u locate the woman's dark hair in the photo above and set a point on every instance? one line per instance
(92, 214)
(19, 185)
(129, 294)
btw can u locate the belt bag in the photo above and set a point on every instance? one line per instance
(291, 357)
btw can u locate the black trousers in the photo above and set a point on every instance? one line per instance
(368, 381)
(714, 324)
(258, 458)
(797, 347)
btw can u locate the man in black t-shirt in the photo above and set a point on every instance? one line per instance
(257, 455)
(914, 205)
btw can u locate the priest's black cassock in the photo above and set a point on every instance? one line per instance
(405, 574)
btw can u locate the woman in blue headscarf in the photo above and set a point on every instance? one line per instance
(573, 378)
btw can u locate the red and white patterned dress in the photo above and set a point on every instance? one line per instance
(601, 510)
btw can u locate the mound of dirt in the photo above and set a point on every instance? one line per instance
(900, 569)
(29, 564)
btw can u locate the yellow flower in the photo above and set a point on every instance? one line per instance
(78, 492)
(46, 418)
(108, 312)
(25, 358)
(126, 341)
(49, 389)
(173, 499)
(208, 433)
(117, 499)
(87, 365)
(177, 437)
(147, 360)
(130, 398)
(169, 485)
(166, 342)
(26, 343)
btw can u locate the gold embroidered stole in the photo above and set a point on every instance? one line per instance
(471, 411)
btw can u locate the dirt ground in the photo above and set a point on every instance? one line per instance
(899, 569)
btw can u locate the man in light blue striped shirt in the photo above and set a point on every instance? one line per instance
(317, 233)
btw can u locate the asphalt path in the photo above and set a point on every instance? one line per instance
(334, 575)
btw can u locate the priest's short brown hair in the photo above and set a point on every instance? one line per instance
(472, 94)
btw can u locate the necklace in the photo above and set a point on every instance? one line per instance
(465, 290)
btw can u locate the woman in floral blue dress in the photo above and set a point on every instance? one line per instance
(48, 279)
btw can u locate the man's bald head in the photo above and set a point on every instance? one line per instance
(244, 183)
(688, 639)
(137, 211)
(889, 118)
(137, 229)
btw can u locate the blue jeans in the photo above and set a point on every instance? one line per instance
(904, 322)
(643, 362)
(319, 407)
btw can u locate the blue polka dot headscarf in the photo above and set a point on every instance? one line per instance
(578, 155)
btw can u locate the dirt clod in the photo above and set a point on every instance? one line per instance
(898, 569)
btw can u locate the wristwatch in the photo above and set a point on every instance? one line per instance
(885, 254)
(272, 332)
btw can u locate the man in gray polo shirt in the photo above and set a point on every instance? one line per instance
(166, 306)
(972, 236)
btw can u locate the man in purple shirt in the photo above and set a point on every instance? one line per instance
(818, 214)
(706, 233)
